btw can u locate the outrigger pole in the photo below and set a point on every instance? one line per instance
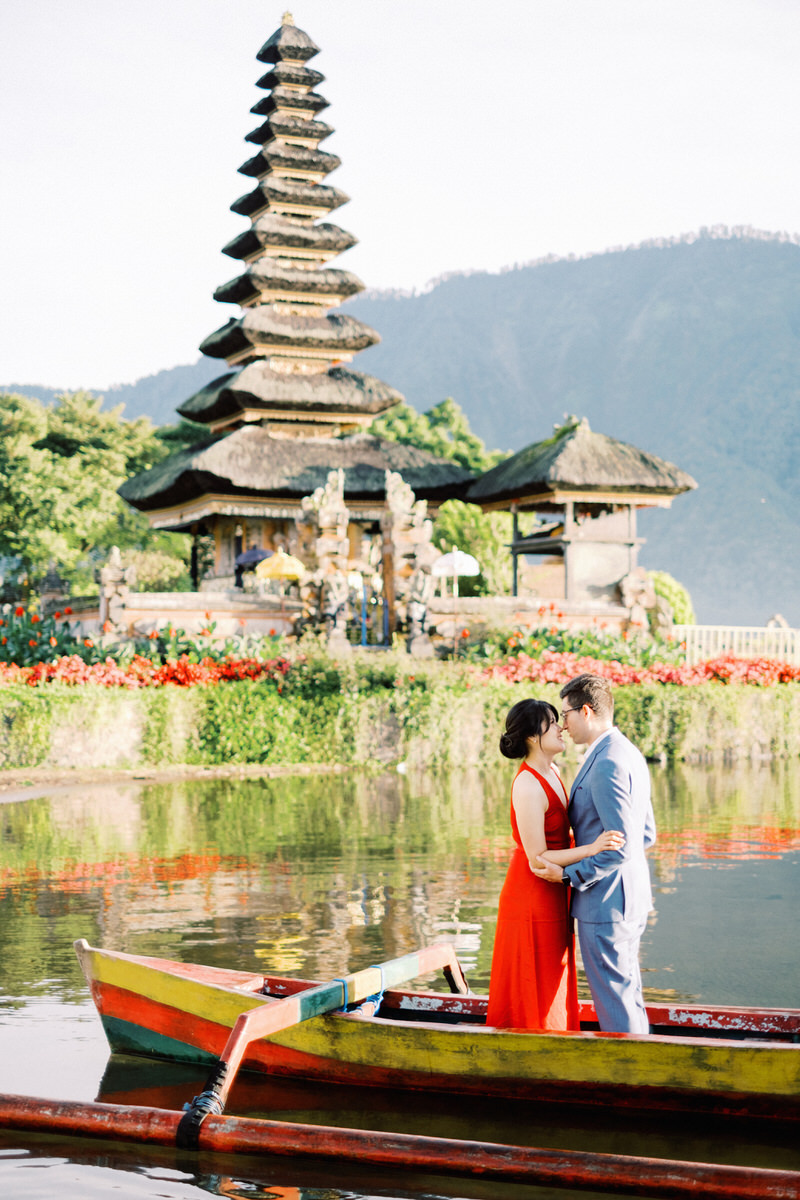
(484, 1160)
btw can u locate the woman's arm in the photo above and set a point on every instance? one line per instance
(530, 805)
(609, 839)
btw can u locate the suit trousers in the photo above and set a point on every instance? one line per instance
(610, 953)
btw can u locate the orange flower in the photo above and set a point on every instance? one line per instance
(465, 633)
(32, 641)
(152, 635)
(19, 611)
(207, 616)
(88, 642)
(34, 619)
(2, 622)
(56, 616)
(53, 641)
(67, 611)
(3, 641)
(205, 632)
(107, 627)
(272, 633)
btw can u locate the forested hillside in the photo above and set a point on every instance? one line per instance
(690, 350)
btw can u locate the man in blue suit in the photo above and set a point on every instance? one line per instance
(611, 894)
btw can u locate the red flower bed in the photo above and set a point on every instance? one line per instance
(142, 672)
(557, 668)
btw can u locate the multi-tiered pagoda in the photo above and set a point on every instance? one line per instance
(288, 411)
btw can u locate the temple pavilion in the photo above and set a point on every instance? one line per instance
(573, 500)
(288, 410)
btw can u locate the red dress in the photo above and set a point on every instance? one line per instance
(533, 984)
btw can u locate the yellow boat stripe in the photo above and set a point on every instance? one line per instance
(645, 1062)
(207, 1000)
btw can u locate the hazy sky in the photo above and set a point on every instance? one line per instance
(473, 134)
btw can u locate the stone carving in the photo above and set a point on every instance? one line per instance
(407, 556)
(322, 543)
(116, 582)
(647, 611)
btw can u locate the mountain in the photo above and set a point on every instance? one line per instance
(689, 349)
(155, 396)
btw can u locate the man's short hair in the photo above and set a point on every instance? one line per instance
(592, 690)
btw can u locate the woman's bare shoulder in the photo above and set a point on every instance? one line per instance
(527, 789)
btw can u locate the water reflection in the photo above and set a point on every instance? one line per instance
(317, 875)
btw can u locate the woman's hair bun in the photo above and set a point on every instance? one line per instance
(510, 746)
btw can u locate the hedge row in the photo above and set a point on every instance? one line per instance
(426, 722)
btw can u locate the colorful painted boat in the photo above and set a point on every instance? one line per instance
(730, 1062)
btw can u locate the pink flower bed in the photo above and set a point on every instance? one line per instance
(553, 667)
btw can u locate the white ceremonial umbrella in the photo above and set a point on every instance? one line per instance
(455, 563)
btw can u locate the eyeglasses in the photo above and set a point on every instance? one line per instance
(565, 713)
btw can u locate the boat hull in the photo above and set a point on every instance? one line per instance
(185, 1013)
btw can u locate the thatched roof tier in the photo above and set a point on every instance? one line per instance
(282, 125)
(577, 462)
(250, 462)
(283, 99)
(288, 42)
(280, 155)
(258, 389)
(283, 73)
(271, 232)
(290, 73)
(263, 331)
(268, 281)
(284, 195)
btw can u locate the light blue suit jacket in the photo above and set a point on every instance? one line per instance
(612, 791)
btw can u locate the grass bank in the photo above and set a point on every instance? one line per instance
(367, 715)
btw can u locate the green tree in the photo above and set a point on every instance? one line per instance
(484, 535)
(60, 467)
(676, 596)
(445, 431)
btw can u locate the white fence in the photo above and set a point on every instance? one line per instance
(743, 641)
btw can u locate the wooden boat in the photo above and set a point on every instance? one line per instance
(723, 1061)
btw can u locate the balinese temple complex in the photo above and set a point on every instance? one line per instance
(287, 442)
(288, 411)
(573, 499)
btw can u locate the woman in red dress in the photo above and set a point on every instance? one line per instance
(533, 984)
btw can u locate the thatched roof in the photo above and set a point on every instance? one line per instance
(290, 73)
(270, 230)
(286, 156)
(281, 125)
(283, 97)
(265, 275)
(336, 391)
(286, 191)
(287, 42)
(251, 462)
(262, 329)
(576, 459)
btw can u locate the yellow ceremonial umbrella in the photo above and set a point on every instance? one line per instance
(280, 566)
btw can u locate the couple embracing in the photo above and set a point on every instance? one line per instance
(602, 881)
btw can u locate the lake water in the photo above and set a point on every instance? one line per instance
(315, 876)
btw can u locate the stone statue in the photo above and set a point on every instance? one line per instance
(116, 582)
(422, 585)
(333, 602)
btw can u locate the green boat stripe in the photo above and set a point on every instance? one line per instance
(126, 1038)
